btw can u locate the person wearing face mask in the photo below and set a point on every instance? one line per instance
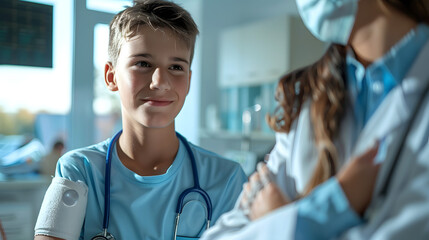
(370, 86)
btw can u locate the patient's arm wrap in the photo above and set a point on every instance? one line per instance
(63, 209)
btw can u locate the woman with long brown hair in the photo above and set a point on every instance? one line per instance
(370, 86)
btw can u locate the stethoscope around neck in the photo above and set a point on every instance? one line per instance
(180, 202)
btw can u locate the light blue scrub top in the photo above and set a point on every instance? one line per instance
(143, 207)
(326, 213)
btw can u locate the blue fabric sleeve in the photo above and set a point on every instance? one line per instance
(325, 213)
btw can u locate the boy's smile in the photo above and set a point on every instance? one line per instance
(152, 75)
(157, 102)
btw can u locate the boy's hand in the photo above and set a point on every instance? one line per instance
(358, 179)
(260, 195)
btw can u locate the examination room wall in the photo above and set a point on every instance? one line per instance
(69, 101)
(226, 97)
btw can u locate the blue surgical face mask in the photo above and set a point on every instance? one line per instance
(329, 20)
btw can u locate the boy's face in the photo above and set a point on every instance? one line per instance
(152, 75)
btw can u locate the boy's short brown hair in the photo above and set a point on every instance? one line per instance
(153, 13)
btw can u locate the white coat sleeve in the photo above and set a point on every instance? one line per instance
(235, 225)
(279, 160)
(229, 223)
(234, 221)
(322, 215)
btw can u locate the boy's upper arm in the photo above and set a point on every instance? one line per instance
(236, 187)
(72, 167)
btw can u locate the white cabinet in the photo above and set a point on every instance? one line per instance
(230, 52)
(262, 52)
(252, 59)
(20, 201)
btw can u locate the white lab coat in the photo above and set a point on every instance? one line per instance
(403, 214)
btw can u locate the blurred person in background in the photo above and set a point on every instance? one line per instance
(49, 162)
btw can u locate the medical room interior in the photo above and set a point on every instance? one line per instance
(52, 56)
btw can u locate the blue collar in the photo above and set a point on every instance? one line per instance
(368, 87)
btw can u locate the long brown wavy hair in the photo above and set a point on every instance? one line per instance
(416, 9)
(323, 84)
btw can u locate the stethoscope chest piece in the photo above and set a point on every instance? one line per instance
(103, 236)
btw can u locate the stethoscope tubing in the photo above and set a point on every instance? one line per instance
(196, 188)
(107, 181)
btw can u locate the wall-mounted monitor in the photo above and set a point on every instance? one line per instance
(25, 33)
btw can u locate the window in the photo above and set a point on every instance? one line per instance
(106, 104)
(31, 92)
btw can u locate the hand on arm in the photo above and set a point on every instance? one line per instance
(358, 178)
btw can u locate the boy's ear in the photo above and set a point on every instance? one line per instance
(109, 77)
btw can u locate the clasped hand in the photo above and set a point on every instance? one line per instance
(262, 196)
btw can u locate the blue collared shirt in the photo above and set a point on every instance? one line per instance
(326, 213)
(368, 87)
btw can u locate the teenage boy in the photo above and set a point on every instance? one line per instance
(151, 47)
